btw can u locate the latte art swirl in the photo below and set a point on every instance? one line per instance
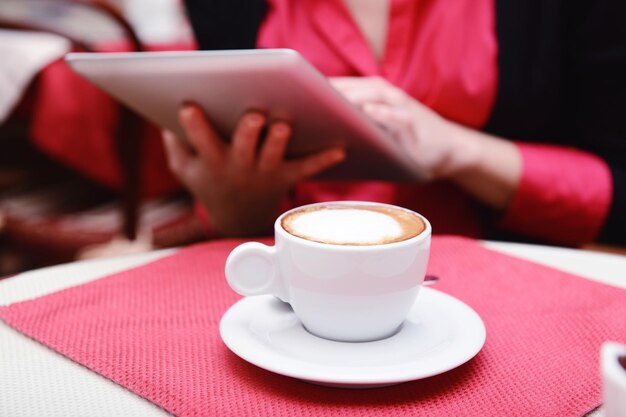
(353, 224)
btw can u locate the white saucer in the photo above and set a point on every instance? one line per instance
(439, 334)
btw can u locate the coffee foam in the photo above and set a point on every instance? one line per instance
(357, 225)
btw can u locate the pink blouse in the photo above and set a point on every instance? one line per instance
(445, 57)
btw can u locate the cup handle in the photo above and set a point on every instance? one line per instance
(251, 269)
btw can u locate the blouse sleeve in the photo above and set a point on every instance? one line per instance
(564, 195)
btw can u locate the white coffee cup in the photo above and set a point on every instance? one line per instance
(349, 290)
(613, 379)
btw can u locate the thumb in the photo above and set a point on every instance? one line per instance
(179, 156)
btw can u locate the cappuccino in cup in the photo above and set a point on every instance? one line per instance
(353, 224)
(350, 270)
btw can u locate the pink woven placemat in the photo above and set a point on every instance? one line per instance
(154, 330)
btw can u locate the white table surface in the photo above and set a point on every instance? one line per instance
(35, 381)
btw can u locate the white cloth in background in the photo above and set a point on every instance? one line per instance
(22, 56)
(156, 21)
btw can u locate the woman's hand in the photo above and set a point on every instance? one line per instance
(241, 183)
(426, 137)
(486, 166)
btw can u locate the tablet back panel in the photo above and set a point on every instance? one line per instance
(227, 83)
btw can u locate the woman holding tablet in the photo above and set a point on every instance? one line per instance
(511, 110)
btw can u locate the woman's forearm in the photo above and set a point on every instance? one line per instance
(487, 167)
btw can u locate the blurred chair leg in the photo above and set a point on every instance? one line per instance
(129, 144)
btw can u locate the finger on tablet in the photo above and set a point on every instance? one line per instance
(178, 155)
(201, 133)
(274, 146)
(361, 90)
(396, 120)
(246, 137)
(310, 166)
(388, 115)
(345, 83)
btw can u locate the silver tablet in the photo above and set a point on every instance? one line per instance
(279, 82)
